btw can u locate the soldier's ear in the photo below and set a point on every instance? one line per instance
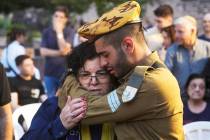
(128, 45)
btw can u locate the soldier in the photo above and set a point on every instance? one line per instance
(147, 104)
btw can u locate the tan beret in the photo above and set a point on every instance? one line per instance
(128, 12)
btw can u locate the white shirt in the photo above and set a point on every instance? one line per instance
(9, 55)
(76, 41)
(154, 38)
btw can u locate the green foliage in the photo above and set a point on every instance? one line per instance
(77, 6)
(4, 22)
(105, 5)
(36, 34)
(15, 25)
(7, 6)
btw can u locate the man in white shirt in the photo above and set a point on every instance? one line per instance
(163, 18)
(9, 54)
(15, 48)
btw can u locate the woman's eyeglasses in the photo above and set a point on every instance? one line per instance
(88, 76)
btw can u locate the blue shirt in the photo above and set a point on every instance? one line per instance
(182, 62)
(46, 125)
(55, 66)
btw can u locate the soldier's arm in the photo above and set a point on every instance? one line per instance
(107, 108)
(98, 106)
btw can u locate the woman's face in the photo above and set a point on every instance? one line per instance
(196, 89)
(94, 78)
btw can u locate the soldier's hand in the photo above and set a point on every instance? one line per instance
(73, 112)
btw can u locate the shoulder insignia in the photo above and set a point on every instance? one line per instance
(113, 101)
(134, 83)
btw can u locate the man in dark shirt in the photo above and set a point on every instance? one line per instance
(5, 108)
(56, 43)
(25, 87)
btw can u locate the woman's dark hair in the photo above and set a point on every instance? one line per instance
(14, 33)
(80, 54)
(192, 77)
(170, 30)
(185, 95)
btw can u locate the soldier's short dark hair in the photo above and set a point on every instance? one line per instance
(115, 38)
(19, 60)
(164, 11)
(80, 54)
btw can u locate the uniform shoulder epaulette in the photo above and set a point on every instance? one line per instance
(134, 82)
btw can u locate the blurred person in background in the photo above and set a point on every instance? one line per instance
(25, 88)
(163, 18)
(206, 36)
(168, 34)
(6, 128)
(206, 28)
(77, 38)
(15, 38)
(189, 54)
(195, 107)
(56, 43)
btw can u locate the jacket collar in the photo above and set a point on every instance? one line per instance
(147, 61)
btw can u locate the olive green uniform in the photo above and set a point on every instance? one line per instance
(153, 112)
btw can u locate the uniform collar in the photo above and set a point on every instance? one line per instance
(148, 61)
(125, 78)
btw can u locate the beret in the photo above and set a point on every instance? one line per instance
(128, 12)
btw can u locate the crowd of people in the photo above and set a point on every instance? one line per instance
(112, 79)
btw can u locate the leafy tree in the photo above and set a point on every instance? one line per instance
(77, 6)
(105, 5)
(7, 6)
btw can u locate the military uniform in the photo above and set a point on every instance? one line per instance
(146, 105)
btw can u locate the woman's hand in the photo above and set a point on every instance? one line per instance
(73, 112)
